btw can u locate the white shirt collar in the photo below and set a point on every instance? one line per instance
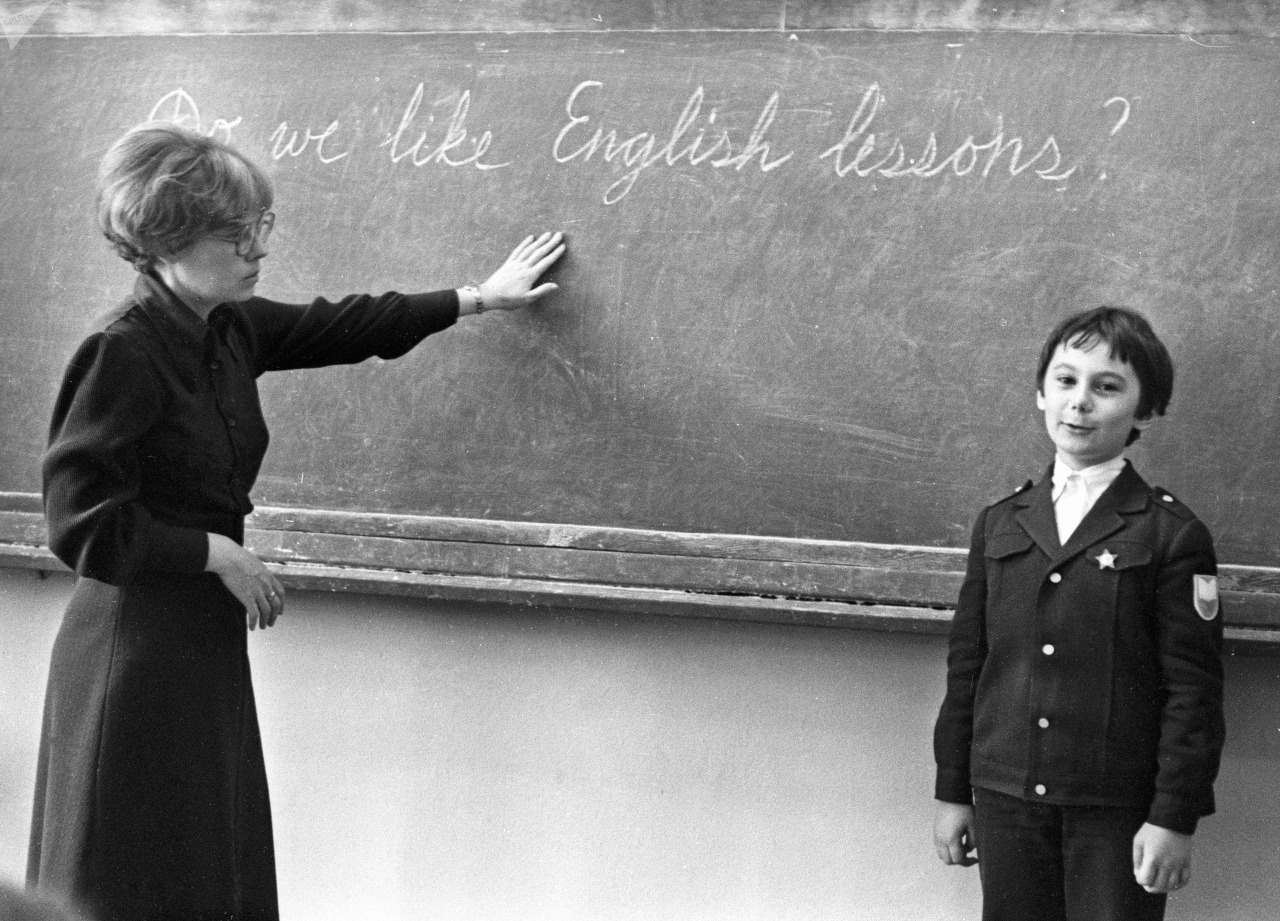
(1096, 478)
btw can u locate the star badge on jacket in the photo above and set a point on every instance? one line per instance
(1106, 559)
(1204, 592)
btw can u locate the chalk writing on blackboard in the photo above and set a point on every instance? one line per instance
(178, 107)
(967, 157)
(456, 134)
(638, 153)
(1124, 114)
(287, 143)
(694, 140)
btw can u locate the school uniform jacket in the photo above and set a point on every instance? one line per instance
(1086, 674)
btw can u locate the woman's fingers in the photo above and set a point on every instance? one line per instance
(258, 609)
(549, 250)
(521, 249)
(277, 601)
(548, 260)
(524, 244)
(542, 290)
(264, 602)
(273, 594)
(513, 284)
(534, 249)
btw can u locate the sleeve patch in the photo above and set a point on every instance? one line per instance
(1205, 595)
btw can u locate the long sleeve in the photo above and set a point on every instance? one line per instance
(1190, 648)
(97, 526)
(285, 336)
(953, 732)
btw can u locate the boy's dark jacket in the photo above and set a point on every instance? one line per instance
(1113, 654)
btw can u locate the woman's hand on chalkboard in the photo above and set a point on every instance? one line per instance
(253, 585)
(513, 285)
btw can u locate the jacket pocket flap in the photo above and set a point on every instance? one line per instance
(1120, 554)
(1007, 543)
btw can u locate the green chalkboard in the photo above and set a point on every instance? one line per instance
(808, 274)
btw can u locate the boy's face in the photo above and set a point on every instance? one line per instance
(1090, 403)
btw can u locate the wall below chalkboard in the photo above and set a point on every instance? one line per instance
(449, 760)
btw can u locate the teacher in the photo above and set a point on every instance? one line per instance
(151, 794)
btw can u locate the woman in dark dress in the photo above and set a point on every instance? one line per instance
(151, 794)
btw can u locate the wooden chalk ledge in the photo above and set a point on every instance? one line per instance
(739, 577)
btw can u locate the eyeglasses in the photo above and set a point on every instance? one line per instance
(253, 235)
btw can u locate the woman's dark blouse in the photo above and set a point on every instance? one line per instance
(157, 434)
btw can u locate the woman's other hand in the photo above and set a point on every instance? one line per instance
(244, 575)
(512, 286)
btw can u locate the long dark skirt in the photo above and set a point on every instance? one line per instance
(151, 794)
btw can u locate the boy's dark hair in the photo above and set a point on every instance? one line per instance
(1131, 340)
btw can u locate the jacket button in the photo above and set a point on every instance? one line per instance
(215, 364)
(1044, 723)
(1055, 577)
(1047, 649)
(1040, 789)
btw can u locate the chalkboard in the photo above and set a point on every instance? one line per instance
(808, 275)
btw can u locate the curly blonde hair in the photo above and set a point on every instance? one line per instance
(162, 187)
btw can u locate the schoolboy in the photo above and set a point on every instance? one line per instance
(1082, 725)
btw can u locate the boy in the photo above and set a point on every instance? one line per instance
(1082, 725)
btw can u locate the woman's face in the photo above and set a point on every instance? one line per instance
(211, 271)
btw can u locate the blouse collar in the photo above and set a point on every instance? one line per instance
(154, 296)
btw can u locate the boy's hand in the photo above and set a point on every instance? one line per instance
(1161, 858)
(953, 834)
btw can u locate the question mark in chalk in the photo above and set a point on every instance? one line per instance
(1124, 116)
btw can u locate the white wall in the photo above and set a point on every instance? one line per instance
(457, 762)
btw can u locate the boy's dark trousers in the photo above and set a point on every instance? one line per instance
(1041, 862)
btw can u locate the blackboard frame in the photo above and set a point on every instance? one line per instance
(1183, 17)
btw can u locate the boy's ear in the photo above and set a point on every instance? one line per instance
(1039, 399)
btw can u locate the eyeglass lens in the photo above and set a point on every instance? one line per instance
(259, 233)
